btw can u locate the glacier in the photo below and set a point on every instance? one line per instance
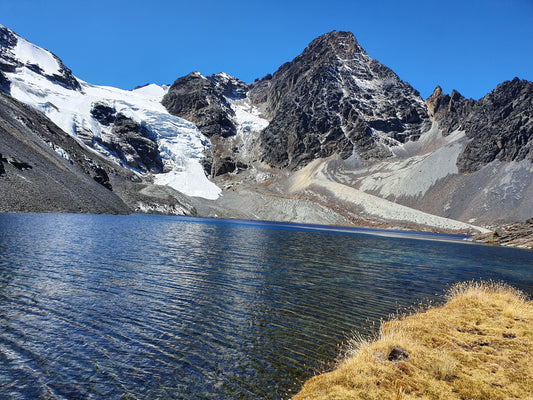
(180, 143)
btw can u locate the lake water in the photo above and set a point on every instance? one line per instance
(159, 307)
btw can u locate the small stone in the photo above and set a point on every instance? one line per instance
(397, 353)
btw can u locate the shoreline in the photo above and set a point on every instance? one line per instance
(516, 236)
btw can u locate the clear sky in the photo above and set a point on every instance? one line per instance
(467, 45)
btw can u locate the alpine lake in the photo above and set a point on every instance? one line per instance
(162, 307)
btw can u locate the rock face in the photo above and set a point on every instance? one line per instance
(335, 99)
(449, 111)
(500, 125)
(202, 100)
(206, 102)
(513, 235)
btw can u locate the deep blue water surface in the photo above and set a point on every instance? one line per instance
(158, 307)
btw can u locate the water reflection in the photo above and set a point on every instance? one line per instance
(162, 307)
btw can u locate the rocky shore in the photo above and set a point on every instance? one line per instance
(518, 235)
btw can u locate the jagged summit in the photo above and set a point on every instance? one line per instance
(334, 43)
(335, 99)
(436, 92)
(448, 110)
(500, 125)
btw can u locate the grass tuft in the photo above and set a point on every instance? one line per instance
(478, 345)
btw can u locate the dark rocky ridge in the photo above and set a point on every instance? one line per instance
(133, 143)
(335, 99)
(500, 125)
(205, 102)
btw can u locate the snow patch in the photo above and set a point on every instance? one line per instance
(248, 121)
(61, 152)
(191, 180)
(28, 53)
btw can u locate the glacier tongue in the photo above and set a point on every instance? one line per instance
(180, 143)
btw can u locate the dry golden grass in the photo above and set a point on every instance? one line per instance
(479, 345)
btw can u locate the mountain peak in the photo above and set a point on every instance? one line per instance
(335, 99)
(437, 92)
(334, 43)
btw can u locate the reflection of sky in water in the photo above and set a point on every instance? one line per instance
(170, 307)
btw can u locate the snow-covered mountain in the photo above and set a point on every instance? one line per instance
(38, 78)
(331, 137)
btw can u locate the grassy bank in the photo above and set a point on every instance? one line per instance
(479, 345)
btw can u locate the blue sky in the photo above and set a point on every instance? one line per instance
(467, 45)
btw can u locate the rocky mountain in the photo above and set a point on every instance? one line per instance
(218, 106)
(332, 136)
(203, 101)
(335, 99)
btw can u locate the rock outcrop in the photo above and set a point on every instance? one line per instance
(202, 100)
(513, 235)
(449, 111)
(132, 142)
(500, 125)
